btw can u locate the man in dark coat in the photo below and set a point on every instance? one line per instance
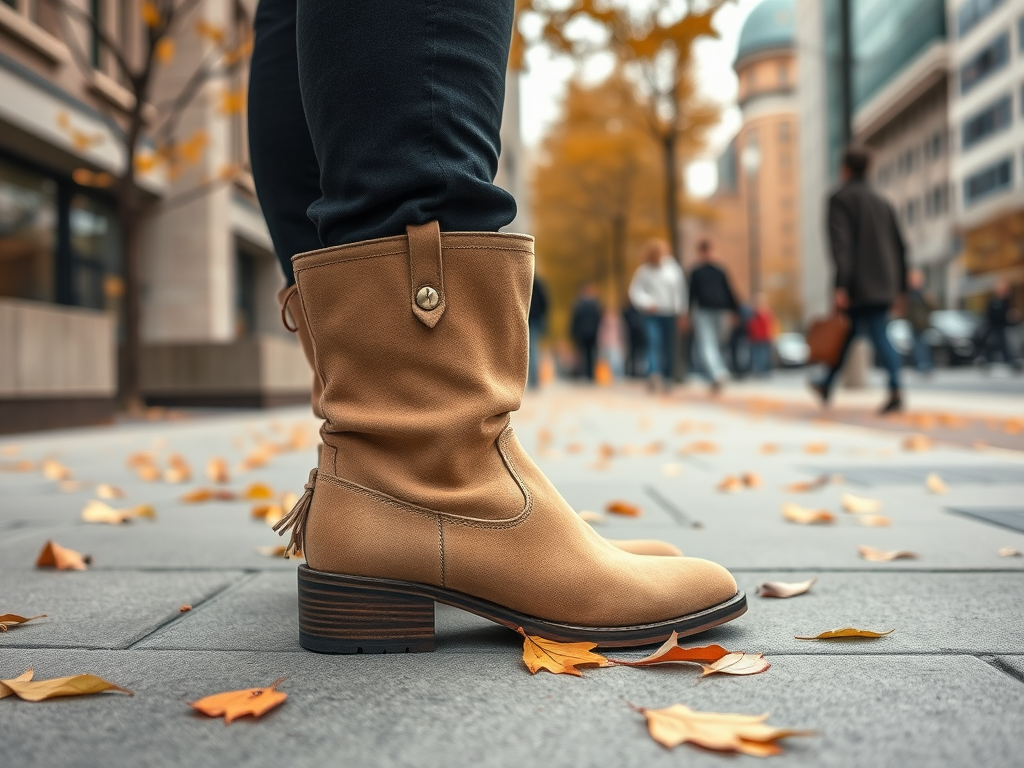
(585, 323)
(870, 269)
(999, 315)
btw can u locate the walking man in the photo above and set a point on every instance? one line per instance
(870, 269)
(658, 291)
(585, 323)
(999, 315)
(712, 303)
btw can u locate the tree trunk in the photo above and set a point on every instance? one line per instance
(668, 144)
(130, 358)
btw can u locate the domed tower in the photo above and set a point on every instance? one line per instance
(766, 175)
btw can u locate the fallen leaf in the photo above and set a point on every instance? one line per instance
(751, 479)
(54, 470)
(606, 451)
(671, 470)
(185, 608)
(670, 651)
(746, 734)
(217, 471)
(737, 664)
(816, 448)
(10, 450)
(62, 558)
(19, 466)
(859, 504)
(108, 491)
(934, 484)
(807, 485)
(235, 704)
(8, 620)
(177, 475)
(794, 513)
(98, 512)
(575, 448)
(730, 484)
(882, 556)
(589, 516)
(140, 459)
(699, 446)
(1010, 552)
(27, 689)
(24, 676)
(623, 508)
(258, 491)
(782, 589)
(269, 512)
(874, 521)
(917, 443)
(558, 658)
(767, 448)
(148, 473)
(70, 486)
(839, 634)
(200, 495)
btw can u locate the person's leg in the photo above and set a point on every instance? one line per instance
(667, 325)
(1003, 345)
(403, 101)
(284, 166)
(652, 331)
(591, 358)
(714, 322)
(876, 321)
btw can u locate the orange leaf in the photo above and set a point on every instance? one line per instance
(98, 512)
(258, 491)
(623, 508)
(839, 634)
(164, 50)
(809, 485)
(722, 732)
(150, 14)
(235, 704)
(211, 32)
(12, 620)
(558, 658)
(816, 448)
(784, 589)
(794, 513)
(54, 470)
(217, 471)
(882, 556)
(27, 689)
(61, 558)
(730, 484)
(670, 651)
(751, 479)
(917, 443)
(184, 608)
(769, 448)
(700, 446)
(874, 521)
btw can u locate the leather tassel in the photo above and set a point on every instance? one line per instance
(295, 521)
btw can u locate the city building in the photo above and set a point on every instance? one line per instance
(757, 205)
(986, 111)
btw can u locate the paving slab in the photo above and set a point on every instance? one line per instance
(100, 610)
(445, 710)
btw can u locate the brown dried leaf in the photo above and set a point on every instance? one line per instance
(54, 470)
(816, 448)
(839, 634)
(729, 484)
(8, 620)
(108, 491)
(623, 508)
(768, 448)
(62, 558)
(27, 689)
(807, 485)
(699, 446)
(184, 608)
(874, 521)
(140, 459)
(934, 484)
(217, 471)
(200, 495)
(98, 512)
(783, 589)
(882, 556)
(671, 652)
(751, 479)
(1009, 552)
(860, 504)
(559, 658)
(746, 734)
(794, 513)
(148, 473)
(917, 443)
(575, 448)
(19, 466)
(235, 704)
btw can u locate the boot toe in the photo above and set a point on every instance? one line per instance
(700, 584)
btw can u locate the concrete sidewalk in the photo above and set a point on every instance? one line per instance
(945, 689)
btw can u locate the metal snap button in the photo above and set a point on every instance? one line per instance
(427, 298)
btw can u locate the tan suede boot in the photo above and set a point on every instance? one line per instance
(295, 321)
(423, 493)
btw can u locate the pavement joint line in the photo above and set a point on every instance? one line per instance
(673, 511)
(998, 663)
(241, 581)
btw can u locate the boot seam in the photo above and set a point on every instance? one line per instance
(403, 252)
(440, 546)
(469, 522)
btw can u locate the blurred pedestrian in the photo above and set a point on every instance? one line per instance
(870, 270)
(636, 341)
(712, 304)
(658, 291)
(584, 327)
(999, 315)
(918, 313)
(761, 331)
(538, 320)
(740, 362)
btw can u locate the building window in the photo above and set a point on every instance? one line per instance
(935, 202)
(28, 229)
(933, 146)
(95, 254)
(989, 181)
(972, 12)
(992, 119)
(988, 60)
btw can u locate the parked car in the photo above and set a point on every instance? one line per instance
(791, 350)
(953, 336)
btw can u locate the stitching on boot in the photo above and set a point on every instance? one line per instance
(440, 544)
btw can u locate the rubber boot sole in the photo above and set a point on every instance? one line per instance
(357, 614)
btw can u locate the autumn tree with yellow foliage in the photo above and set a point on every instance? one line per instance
(149, 125)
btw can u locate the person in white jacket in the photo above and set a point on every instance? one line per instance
(658, 291)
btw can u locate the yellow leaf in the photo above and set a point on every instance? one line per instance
(746, 734)
(934, 484)
(54, 470)
(882, 556)
(807, 485)
(737, 664)
(209, 31)
(12, 620)
(623, 508)
(258, 491)
(232, 102)
(860, 504)
(150, 14)
(107, 491)
(558, 658)
(217, 471)
(61, 558)
(794, 513)
(164, 50)
(5, 691)
(816, 448)
(235, 704)
(27, 689)
(784, 589)
(143, 510)
(839, 634)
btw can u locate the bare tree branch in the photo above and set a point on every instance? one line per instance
(100, 34)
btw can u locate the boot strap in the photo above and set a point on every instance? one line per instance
(295, 521)
(426, 278)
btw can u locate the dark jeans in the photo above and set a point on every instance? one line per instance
(995, 341)
(367, 117)
(870, 321)
(587, 349)
(661, 344)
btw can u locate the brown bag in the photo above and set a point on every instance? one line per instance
(826, 338)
